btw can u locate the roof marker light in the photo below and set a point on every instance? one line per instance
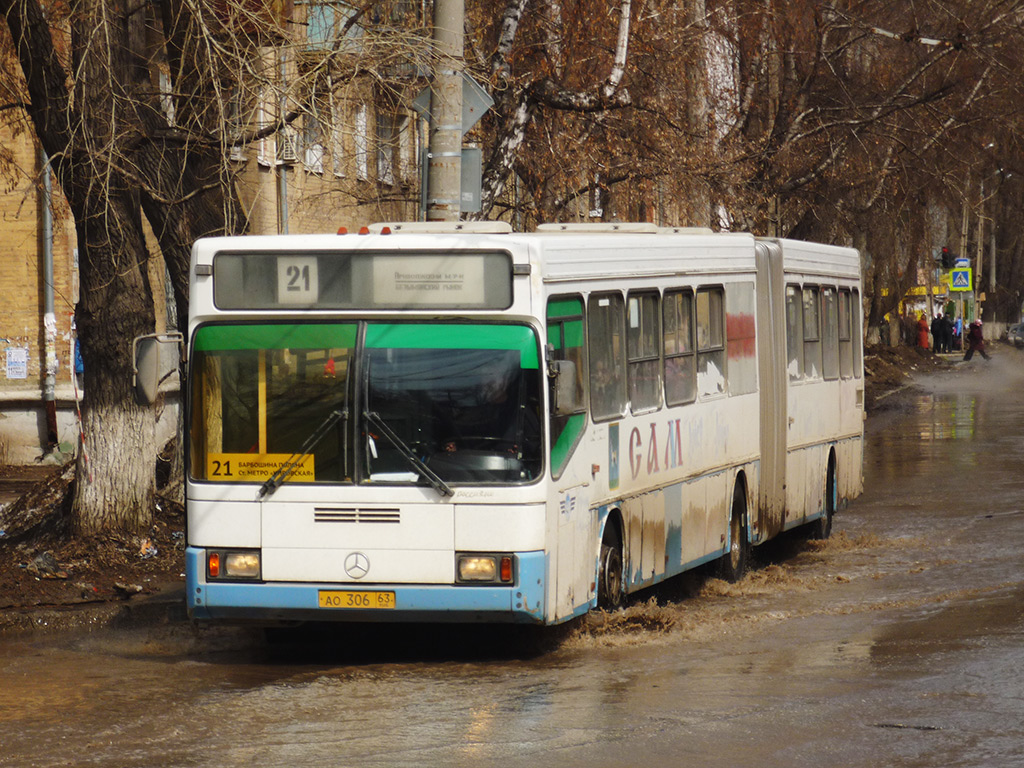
(364, 230)
(342, 230)
(385, 230)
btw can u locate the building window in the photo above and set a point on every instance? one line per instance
(362, 143)
(167, 98)
(386, 154)
(325, 20)
(264, 151)
(337, 138)
(312, 141)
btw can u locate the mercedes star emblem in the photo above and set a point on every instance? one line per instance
(357, 565)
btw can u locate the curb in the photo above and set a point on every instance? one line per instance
(166, 606)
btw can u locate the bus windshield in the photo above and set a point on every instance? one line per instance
(437, 403)
(465, 399)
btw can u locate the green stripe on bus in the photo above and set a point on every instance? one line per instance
(213, 338)
(453, 336)
(565, 308)
(574, 333)
(566, 440)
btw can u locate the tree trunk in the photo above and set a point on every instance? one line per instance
(115, 482)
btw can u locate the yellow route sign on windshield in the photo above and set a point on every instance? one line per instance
(255, 467)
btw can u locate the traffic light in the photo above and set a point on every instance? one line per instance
(947, 258)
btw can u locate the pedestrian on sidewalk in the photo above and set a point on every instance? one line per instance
(938, 336)
(975, 341)
(922, 331)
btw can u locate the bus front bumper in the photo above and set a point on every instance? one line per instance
(272, 602)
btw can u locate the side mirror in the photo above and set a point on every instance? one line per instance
(156, 358)
(563, 392)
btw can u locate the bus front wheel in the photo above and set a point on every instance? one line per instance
(611, 593)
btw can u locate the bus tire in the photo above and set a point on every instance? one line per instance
(822, 527)
(733, 564)
(611, 587)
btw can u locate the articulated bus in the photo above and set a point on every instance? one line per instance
(455, 422)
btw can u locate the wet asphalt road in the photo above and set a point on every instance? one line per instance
(900, 642)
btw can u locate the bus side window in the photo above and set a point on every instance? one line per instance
(642, 333)
(812, 332)
(845, 335)
(565, 335)
(858, 334)
(607, 349)
(830, 339)
(794, 333)
(740, 339)
(710, 342)
(680, 360)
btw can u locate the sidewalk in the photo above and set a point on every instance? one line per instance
(166, 605)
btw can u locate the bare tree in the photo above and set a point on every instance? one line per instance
(140, 106)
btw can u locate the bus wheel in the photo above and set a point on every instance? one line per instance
(733, 563)
(611, 592)
(822, 527)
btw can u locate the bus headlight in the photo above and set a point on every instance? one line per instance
(233, 564)
(485, 569)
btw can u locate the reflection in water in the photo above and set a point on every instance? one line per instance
(939, 429)
(947, 417)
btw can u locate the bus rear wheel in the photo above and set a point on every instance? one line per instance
(611, 592)
(822, 527)
(733, 564)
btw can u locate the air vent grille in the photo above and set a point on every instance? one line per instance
(355, 515)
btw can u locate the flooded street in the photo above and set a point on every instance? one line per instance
(898, 642)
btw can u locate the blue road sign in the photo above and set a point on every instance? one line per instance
(961, 280)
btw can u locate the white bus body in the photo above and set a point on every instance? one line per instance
(487, 426)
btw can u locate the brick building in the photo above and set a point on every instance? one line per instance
(33, 338)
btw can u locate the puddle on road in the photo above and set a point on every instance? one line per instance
(936, 524)
(803, 579)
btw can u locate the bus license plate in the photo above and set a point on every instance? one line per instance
(338, 599)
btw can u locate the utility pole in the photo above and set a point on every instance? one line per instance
(992, 246)
(444, 171)
(963, 241)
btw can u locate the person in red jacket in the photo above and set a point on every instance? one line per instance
(922, 332)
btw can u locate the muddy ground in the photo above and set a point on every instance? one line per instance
(43, 567)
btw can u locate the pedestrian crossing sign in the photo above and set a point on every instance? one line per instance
(961, 280)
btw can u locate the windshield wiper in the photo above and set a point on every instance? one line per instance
(285, 470)
(417, 463)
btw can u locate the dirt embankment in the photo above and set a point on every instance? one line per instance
(888, 370)
(43, 566)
